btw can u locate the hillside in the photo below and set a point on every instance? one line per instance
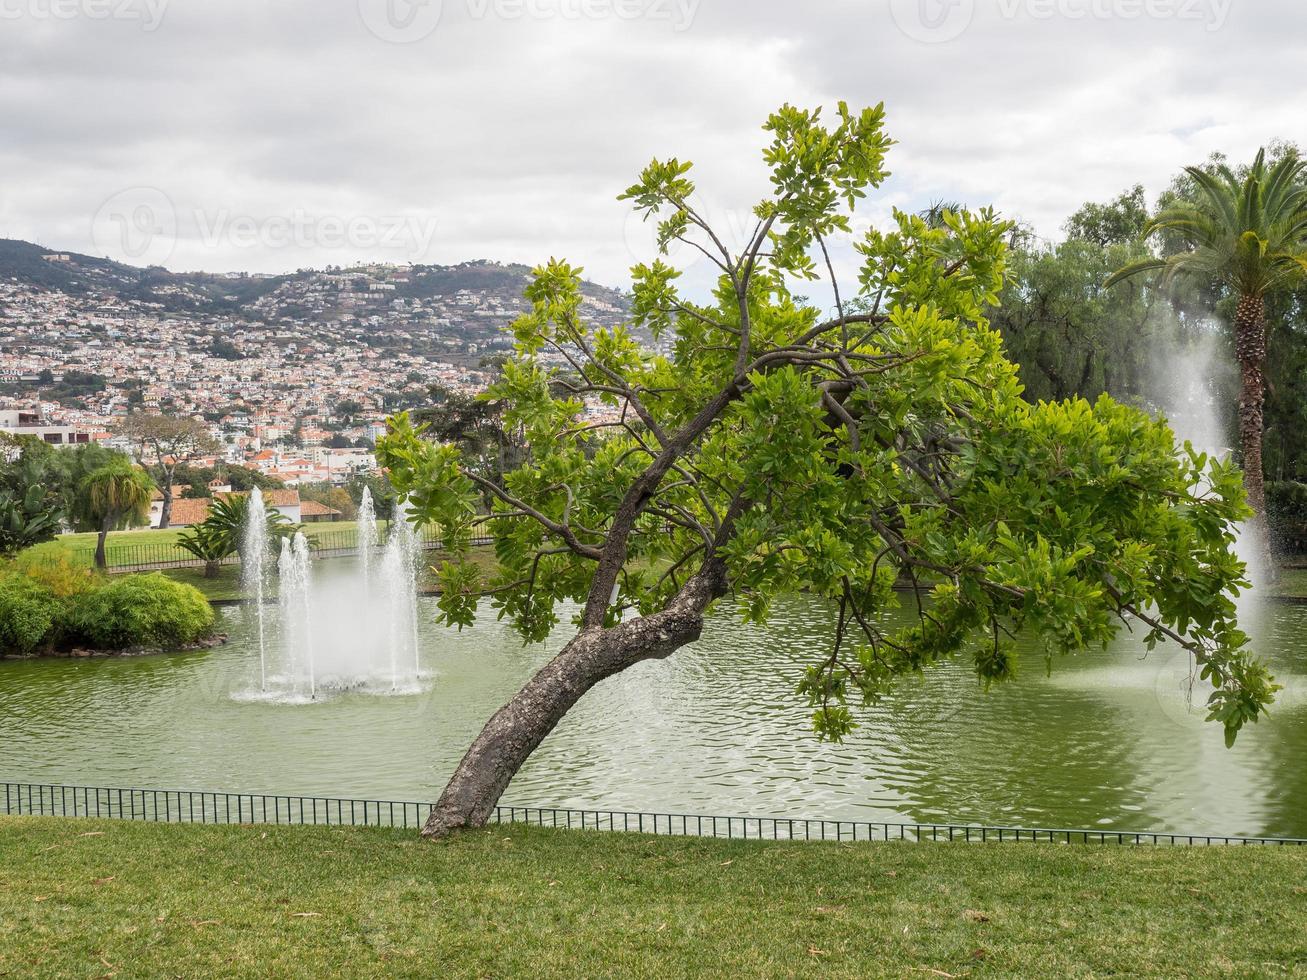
(471, 300)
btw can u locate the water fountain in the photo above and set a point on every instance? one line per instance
(349, 628)
(254, 554)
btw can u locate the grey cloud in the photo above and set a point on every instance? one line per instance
(514, 135)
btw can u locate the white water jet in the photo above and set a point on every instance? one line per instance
(367, 535)
(254, 576)
(347, 627)
(1190, 397)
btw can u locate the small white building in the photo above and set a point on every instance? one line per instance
(18, 422)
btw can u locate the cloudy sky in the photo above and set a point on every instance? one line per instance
(268, 135)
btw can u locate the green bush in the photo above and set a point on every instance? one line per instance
(58, 568)
(140, 610)
(28, 614)
(1286, 514)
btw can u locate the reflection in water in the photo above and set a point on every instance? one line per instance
(1106, 740)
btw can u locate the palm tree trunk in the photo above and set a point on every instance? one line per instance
(1250, 348)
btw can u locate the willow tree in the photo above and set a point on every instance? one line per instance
(1247, 234)
(777, 449)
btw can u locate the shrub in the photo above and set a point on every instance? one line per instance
(57, 568)
(28, 614)
(140, 610)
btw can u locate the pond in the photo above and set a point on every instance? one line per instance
(1106, 740)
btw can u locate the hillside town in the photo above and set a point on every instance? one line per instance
(293, 375)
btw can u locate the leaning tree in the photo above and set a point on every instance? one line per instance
(776, 449)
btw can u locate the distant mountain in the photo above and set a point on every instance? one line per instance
(354, 291)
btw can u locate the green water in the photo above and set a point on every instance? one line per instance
(1106, 741)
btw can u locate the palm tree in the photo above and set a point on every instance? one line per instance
(1247, 234)
(208, 544)
(113, 494)
(222, 533)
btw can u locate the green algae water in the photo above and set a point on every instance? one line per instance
(1108, 739)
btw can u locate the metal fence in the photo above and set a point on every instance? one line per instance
(326, 544)
(185, 806)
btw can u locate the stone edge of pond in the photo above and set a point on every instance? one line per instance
(85, 653)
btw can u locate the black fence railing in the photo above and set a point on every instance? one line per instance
(185, 806)
(326, 544)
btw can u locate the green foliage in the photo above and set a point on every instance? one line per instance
(28, 519)
(1071, 336)
(222, 533)
(27, 462)
(56, 568)
(28, 613)
(1286, 513)
(337, 498)
(140, 610)
(1247, 231)
(775, 449)
(116, 494)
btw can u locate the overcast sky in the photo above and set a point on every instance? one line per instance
(267, 135)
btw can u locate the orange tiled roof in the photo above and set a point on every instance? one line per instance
(187, 511)
(311, 508)
(287, 497)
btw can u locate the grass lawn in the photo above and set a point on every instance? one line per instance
(82, 545)
(228, 583)
(85, 898)
(226, 586)
(1293, 582)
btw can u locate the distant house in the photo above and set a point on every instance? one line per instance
(156, 501)
(287, 502)
(312, 512)
(33, 423)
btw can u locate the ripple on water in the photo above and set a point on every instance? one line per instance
(1106, 740)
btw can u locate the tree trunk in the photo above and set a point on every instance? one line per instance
(1250, 348)
(100, 560)
(212, 569)
(515, 730)
(165, 512)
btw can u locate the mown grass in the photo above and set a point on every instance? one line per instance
(81, 546)
(227, 586)
(1293, 582)
(82, 898)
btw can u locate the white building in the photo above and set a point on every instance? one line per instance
(18, 422)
